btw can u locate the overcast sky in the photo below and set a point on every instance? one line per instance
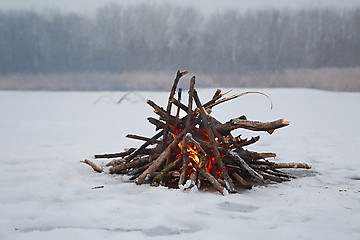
(205, 5)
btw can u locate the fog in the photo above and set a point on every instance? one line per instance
(218, 39)
(203, 5)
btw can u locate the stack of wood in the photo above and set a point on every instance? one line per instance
(197, 149)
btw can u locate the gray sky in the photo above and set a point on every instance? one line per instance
(205, 5)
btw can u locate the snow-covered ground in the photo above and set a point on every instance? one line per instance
(46, 193)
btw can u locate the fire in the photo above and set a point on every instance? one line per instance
(207, 161)
(193, 153)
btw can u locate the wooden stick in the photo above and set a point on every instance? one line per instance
(188, 136)
(217, 96)
(115, 162)
(251, 125)
(188, 125)
(236, 96)
(291, 165)
(116, 155)
(241, 181)
(257, 155)
(159, 124)
(179, 100)
(280, 173)
(217, 93)
(245, 142)
(179, 104)
(272, 177)
(126, 165)
(156, 164)
(245, 166)
(169, 104)
(162, 113)
(212, 180)
(185, 159)
(273, 165)
(141, 138)
(229, 184)
(95, 167)
(192, 178)
(142, 147)
(159, 176)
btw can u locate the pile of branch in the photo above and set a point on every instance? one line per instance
(197, 149)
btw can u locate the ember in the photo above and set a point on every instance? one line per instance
(198, 150)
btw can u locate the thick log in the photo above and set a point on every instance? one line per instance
(95, 167)
(229, 184)
(156, 163)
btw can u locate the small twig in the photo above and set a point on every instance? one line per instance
(239, 95)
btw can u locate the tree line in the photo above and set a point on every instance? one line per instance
(151, 37)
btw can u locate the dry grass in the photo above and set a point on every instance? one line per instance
(347, 79)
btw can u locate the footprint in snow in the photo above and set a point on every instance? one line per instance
(237, 207)
(167, 231)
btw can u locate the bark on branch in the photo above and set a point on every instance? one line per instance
(269, 127)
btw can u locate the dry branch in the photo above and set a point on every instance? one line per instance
(116, 155)
(252, 125)
(95, 167)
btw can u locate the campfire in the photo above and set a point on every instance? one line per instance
(197, 150)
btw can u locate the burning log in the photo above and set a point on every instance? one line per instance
(197, 150)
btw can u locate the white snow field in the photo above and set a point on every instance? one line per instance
(46, 193)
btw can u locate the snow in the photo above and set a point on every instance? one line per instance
(46, 193)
